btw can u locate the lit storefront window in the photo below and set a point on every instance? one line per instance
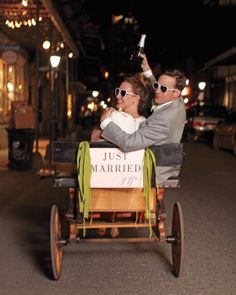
(12, 86)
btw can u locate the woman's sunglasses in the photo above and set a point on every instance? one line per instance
(163, 88)
(123, 92)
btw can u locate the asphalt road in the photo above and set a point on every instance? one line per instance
(208, 199)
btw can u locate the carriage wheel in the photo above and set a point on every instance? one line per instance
(56, 247)
(178, 238)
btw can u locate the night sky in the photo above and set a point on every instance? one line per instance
(176, 30)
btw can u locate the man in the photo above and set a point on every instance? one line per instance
(164, 125)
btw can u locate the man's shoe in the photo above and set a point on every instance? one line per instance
(114, 232)
(101, 231)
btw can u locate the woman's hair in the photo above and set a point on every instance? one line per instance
(179, 76)
(142, 87)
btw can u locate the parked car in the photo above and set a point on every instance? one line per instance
(225, 134)
(202, 120)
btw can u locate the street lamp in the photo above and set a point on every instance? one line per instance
(201, 86)
(55, 60)
(46, 44)
(54, 63)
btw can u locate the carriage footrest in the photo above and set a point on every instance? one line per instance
(66, 179)
(172, 182)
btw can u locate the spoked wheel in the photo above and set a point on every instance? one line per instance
(56, 246)
(177, 238)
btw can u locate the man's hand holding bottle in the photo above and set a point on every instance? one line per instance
(144, 65)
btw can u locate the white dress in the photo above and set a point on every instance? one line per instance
(126, 122)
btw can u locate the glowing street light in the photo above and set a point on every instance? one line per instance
(201, 85)
(55, 60)
(46, 44)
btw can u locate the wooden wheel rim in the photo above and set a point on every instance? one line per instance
(56, 249)
(178, 234)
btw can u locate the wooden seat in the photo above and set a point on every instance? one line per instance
(66, 152)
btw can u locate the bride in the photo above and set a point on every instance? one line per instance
(131, 97)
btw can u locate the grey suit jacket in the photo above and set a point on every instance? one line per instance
(163, 126)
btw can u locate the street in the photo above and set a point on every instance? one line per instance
(208, 199)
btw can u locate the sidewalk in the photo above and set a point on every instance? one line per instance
(3, 158)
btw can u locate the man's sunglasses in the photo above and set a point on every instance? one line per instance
(163, 88)
(123, 92)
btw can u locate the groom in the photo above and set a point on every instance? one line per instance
(165, 125)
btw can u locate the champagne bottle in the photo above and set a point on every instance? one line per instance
(135, 57)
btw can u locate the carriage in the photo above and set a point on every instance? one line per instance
(119, 198)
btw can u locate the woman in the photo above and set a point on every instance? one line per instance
(131, 97)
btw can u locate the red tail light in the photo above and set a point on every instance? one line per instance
(196, 123)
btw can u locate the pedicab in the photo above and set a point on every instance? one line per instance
(104, 180)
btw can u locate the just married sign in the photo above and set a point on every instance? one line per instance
(112, 168)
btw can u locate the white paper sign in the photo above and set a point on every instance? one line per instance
(112, 168)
